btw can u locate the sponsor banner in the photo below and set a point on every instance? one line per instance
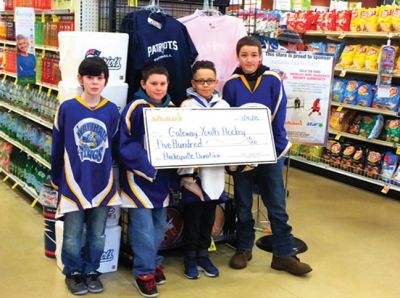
(307, 79)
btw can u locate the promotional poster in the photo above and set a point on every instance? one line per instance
(307, 79)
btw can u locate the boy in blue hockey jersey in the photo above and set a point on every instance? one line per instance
(201, 187)
(84, 133)
(145, 191)
(252, 83)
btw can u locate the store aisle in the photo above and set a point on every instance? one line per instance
(353, 238)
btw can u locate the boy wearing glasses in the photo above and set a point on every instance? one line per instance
(201, 187)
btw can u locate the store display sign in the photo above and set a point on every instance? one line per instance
(25, 37)
(300, 5)
(177, 137)
(307, 79)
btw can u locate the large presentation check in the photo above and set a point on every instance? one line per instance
(177, 137)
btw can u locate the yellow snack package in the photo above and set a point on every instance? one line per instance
(397, 64)
(355, 23)
(359, 57)
(396, 19)
(346, 59)
(385, 18)
(371, 59)
(363, 18)
(372, 20)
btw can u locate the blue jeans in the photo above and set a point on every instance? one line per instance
(269, 179)
(146, 232)
(72, 255)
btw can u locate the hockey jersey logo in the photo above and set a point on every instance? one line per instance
(91, 139)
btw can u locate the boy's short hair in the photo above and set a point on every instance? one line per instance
(153, 68)
(203, 64)
(93, 66)
(248, 41)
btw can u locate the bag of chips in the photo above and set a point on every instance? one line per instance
(372, 20)
(336, 154)
(358, 162)
(389, 165)
(392, 102)
(396, 19)
(373, 164)
(350, 93)
(346, 59)
(340, 120)
(365, 95)
(385, 18)
(378, 126)
(343, 19)
(371, 59)
(317, 47)
(347, 156)
(334, 48)
(392, 130)
(355, 23)
(356, 125)
(360, 57)
(339, 86)
(363, 18)
(326, 154)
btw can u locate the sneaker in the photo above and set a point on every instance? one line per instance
(240, 258)
(291, 264)
(93, 282)
(146, 285)
(159, 276)
(191, 271)
(204, 264)
(75, 283)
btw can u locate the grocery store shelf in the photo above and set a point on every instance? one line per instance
(346, 173)
(35, 156)
(349, 34)
(360, 138)
(47, 48)
(47, 85)
(25, 187)
(8, 42)
(343, 71)
(364, 109)
(41, 11)
(9, 74)
(26, 114)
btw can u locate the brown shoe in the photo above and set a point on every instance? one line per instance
(290, 264)
(240, 258)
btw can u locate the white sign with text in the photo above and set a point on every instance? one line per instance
(177, 137)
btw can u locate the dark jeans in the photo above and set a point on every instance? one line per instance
(198, 222)
(269, 179)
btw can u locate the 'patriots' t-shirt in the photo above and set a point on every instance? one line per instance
(159, 38)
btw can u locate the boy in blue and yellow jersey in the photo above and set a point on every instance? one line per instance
(252, 83)
(145, 190)
(201, 187)
(84, 134)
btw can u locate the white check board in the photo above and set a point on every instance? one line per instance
(180, 137)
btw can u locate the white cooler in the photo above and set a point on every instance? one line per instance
(76, 46)
(109, 259)
(116, 92)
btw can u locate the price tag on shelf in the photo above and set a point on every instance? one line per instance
(385, 189)
(55, 18)
(339, 108)
(43, 18)
(342, 73)
(58, 95)
(16, 81)
(338, 136)
(342, 35)
(43, 53)
(15, 185)
(4, 78)
(6, 178)
(34, 203)
(398, 149)
(40, 89)
(27, 86)
(49, 92)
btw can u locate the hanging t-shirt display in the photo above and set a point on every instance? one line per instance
(215, 38)
(156, 37)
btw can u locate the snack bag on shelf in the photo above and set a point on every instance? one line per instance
(360, 57)
(392, 102)
(331, 20)
(302, 21)
(355, 23)
(346, 59)
(356, 125)
(313, 17)
(304, 151)
(365, 94)
(291, 21)
(363, 19)
(371, 59)
(358, 160)
(339, 86)
(372, 20)
(377, 128)
(350, 93)
(396, 19)
(320, 20)
(341, 120)
(396, 176)
(326, 154)
(315, 153)
(387, 58)
(334, 48)
(347, 156)
(392, 130)
(385, 18)
(295, 149)
(343, 19)
(318, 47)
(397, 64)
(336, 154)
(367, 124)
(378, 102)
(373, 164)
(390, 161)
